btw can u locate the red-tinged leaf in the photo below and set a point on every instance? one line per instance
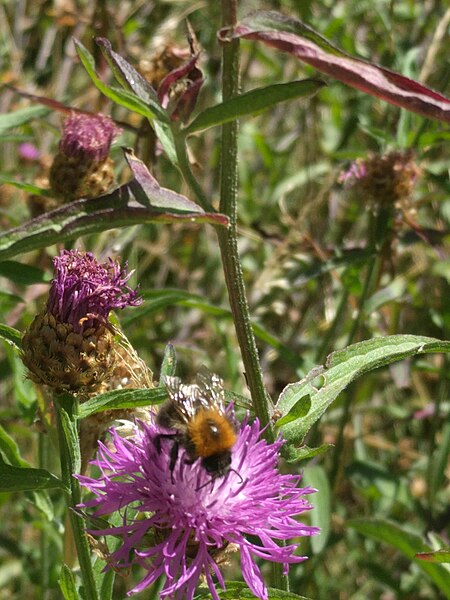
(293, 36)
(148, 191)
(60, 107)
(141, 200)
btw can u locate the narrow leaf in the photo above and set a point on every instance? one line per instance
(21, 117)
(73, 444)
(169, 364)
(120, 208)
(122, 399)
(14, 479)
(129, 78)
(409, 544)
(298, 410)
(123, 97)
(10, 449)
(320, 514)
(324, 384)
(67, 584)
(253, 103)
(293, 36)
(11, 335)
(26, 187)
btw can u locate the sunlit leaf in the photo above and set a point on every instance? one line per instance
(293, 36)
(67, 584)
(438, 556)
(122, 399)
(11, 335)
(253, 103)
(21, 117)
(324, 384)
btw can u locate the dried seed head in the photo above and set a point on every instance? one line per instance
(82, 169)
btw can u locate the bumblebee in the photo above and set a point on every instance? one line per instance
(196, 413)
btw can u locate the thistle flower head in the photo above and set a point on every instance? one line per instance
(192, 520)
(384, 178)
(70, 345)
(87, 137)
(84, 291)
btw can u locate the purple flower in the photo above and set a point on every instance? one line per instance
(29, 152)
(88, 136)
(84, 290)
(193, 520)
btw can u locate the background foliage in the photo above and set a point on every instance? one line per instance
(303, 243)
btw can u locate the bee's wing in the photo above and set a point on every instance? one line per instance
(184, 398)
(212, 394)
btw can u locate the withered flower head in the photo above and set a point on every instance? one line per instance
(70, 345)
(384, 178)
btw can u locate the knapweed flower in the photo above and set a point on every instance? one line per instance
(70, 345)
(82, 168)
(384, 178)
(181, 524)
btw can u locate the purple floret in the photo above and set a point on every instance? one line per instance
(88, 136)
(84, 291)
(192, 517)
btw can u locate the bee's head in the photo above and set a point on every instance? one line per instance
(217, 465)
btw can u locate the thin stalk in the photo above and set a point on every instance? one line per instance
(228, 238)
(68, 468)
(44, 446)
(324, 348)
(229, 250)
(378, 230)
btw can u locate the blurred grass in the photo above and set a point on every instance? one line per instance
(303, 246)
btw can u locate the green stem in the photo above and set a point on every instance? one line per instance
(44, 447)
(378, 233)
(228, 237)
(67, 404)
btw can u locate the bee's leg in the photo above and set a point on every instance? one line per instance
(173, 458)
(161, 436)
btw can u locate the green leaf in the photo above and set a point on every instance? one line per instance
(11, 335)
(120, 208)
(67, 584)
(21, 117)
(72, 441)
(341, 369)
(169, 364)
(26, 187)
(438, 556)
(14, 479)
(407, 543)
(237, 590)
(10, 449)
(253, 103)
(298, 410)
(125, 98)
(320, 514)
(292, 454)
(154, 113)
(122, 399)
(104, 580)
(131, 79)
(22, 274)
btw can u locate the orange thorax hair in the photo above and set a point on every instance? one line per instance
(211, 432)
